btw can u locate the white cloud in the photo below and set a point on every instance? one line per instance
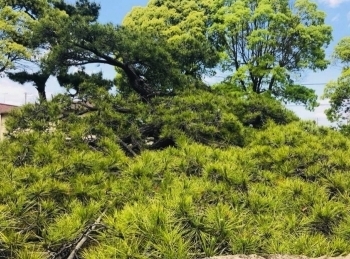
(16, 94)
(334, 3)
(319, 114)
(323, 102)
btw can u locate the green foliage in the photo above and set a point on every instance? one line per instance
(203, 172)
(265, 42)
(183, 25)
(168, 46)
(200, 116)
(257, 110)
(148, 67)
(38, 79)
(15, 43)
(338, 91)
(220, 186)
(299, 94)
(28, 37)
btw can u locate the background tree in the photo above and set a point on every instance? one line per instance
(16, 44)
(265, 42)
(338, 91)
(37, 14)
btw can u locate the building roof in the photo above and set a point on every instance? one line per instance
(6, 108)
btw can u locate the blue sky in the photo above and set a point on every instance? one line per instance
(338, 16)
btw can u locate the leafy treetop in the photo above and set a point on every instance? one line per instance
(338, 91)
(266, 42)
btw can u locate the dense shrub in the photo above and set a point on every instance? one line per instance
(220, 188)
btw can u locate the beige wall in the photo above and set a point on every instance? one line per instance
(2, 125)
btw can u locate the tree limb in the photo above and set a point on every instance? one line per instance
(85, 236)
(121, 142)
(108, 59)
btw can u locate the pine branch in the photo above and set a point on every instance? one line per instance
(85, 236)
(121, 142)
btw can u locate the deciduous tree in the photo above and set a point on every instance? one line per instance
(264, 42)
(15, 37)
(338, 91)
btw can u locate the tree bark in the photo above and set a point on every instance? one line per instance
(41, 92)
(38, 79)
(138, 84)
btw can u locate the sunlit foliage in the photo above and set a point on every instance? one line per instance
(165, 166)
(218, 187)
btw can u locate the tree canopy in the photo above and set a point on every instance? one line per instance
(31, 21)
(183, 25)
(338, 91)
(266, 42)
(16, 45)
(170, 46)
